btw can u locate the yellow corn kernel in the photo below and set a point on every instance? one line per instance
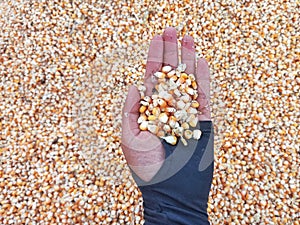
(160, 133)
(152, 118)
(195, 104)
(181, 80)
(162, 103)
(192, 77)
(185, 125)
(142, 109)
(156, 111)
(194, 85)
(188, 134)
(184, 76)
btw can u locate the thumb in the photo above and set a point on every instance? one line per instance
(132, 136)
(130, 112)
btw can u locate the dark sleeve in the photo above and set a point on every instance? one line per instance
(178, 194)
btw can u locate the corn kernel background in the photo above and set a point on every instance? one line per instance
(65, 67)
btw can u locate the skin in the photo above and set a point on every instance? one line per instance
(144, 151)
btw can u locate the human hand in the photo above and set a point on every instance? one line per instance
(174, 180)
(144, 151)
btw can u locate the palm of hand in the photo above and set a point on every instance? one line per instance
(144, 151)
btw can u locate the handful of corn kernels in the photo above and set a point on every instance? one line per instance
(171, 112)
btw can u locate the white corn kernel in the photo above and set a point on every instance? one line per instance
(184, 142)
(170, 109)
(181, 67)
(188, 81)
(144, 103)
(147, 99)
(177, 93)
(180, 104)
(171, 73)
(197, 134)
(154, 96)
(172, 121)
(180, 115)
(166, 69)
(141, 88)
(187, 106)
(178, 131)
(185, 125)
(159, 74)
(192, 120)
(153, 128)
(173, 85)
(192, 111)
(188, 134)
(144, 125)
(171, 139)
(185, 98)
(190, 91)
(142, 118)
(147, 112)
(163, 117)
(150, 107)
(167, 128)
(165, 95)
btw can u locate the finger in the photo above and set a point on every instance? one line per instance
(188, 55)
(130, 112)
(203, 81)
(170, 47)
(154, 62)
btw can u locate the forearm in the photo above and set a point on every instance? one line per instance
(178, 194)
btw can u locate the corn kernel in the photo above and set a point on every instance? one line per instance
(163, 117)
(152, 118)
(197, 134)
(195, 104)
(171, 139)
(142, 109)
(166, 69)
(173, 106)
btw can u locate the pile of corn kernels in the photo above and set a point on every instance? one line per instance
(171, 112)
(65, 68)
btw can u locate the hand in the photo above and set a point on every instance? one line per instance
(174, 180)
(144, 152)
